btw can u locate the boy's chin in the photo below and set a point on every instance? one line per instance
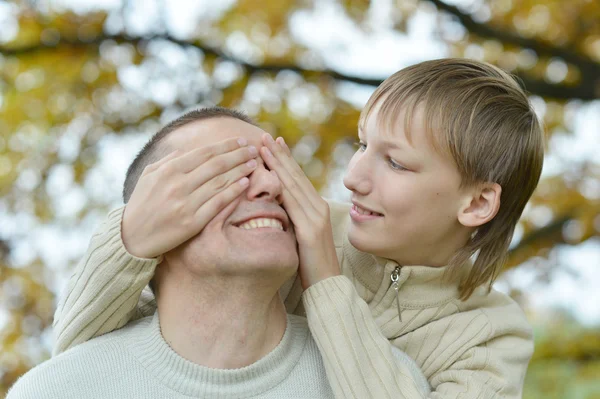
(369, 243)
(361, 241)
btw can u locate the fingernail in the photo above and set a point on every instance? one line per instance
(270, 138)
(253, 151)
(251, 163)
(284, 143)
(244, 181)
(242, 142)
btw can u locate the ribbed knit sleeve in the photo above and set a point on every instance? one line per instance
(104, 290)
(358, 358)
(360, 363)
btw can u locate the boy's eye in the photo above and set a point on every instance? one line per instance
(395, 165)
(360, 145)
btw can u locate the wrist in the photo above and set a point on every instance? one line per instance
(128, 240)
(316, 278)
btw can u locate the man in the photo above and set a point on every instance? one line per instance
(221, 329)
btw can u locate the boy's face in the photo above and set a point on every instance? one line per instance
(414, 190)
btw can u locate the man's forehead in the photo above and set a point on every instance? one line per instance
(211, 131)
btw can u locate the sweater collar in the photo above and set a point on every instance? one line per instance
(419, 286)
(188, 378)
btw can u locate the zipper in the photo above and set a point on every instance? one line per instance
(394, 277)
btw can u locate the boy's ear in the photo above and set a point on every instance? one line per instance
(481, 205)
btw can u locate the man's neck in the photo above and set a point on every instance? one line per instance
(221, 323)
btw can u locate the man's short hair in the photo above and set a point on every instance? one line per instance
(152, 151)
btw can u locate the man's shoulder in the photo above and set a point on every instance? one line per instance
(302, 336)
(308, 373)
(306, 341)
(300, 321)
(112, 340)
(70, 369)
(73, 372)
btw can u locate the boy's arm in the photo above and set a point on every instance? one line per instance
(105, 291)
(291, 291)
(359, 361)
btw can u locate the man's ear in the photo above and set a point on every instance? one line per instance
(481, 205)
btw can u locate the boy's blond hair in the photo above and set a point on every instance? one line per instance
(478, 115)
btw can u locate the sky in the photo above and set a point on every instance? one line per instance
(376, 52)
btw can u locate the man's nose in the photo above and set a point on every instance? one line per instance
(264, 185)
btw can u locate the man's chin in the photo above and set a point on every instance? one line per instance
(278, 262)
(274, 269)
(275, 254)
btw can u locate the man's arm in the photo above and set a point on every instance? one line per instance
(105, 291)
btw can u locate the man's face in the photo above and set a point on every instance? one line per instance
(226, 245)
(414, 190)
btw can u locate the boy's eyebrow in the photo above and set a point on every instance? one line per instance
(386, 143)
(391, 144)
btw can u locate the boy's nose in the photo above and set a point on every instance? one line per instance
(357, 177)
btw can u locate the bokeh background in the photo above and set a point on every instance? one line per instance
(83, 84)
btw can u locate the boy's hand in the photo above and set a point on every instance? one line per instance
(308, 212)
(177, 196)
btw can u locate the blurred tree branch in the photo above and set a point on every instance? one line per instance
(4, 250)
(589, 85)
(200, 46)
(551, 231)
(537, 241)
(485, 30)
(584, 91)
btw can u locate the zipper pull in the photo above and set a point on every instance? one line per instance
(394, 277)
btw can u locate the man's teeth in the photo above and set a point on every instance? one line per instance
(365, 212)
(261, 222)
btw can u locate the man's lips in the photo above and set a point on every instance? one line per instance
(280, 216)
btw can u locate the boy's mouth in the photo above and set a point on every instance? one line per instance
(360, 214)
(363, 210)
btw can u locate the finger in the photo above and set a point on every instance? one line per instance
(284, 156)
(194, 158)
(292, 206)
(294, 186)
(207, 210)
(283, 144)
(155, 165)
(280, 161)
(222, 169)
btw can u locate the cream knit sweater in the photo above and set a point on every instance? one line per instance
(478, 348)
(136, 362)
